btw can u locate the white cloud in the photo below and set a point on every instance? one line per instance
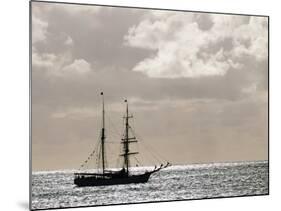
(39, 8)
(45, 60)
(79, 9)
(250, 89)
(51, 63)
(61, 65)
(136, 105)
(57, 64)
(39, 29)
(75, 113)
(79, 66)
(185, 50)
(68, 41)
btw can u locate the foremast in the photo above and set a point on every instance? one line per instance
(103, 136)
(126, 140)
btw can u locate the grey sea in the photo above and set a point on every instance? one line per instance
(55, 189)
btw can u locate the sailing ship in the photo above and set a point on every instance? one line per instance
(117, 177)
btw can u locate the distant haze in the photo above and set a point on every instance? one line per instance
(196, 83)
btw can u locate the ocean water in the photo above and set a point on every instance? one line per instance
(55, 189)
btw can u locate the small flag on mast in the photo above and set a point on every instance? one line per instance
(101, 93)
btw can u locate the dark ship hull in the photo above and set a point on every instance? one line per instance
(98, 180)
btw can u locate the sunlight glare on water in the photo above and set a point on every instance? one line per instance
(56, 189)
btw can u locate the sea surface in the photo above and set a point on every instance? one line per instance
(55, 189)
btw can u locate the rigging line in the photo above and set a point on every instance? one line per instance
(98, 157)
(133, 123)
(154, 153)
(109, 121)
(110, 150)
(112, 135)
(149, 148)
(118, 161)
(97, 150)
(153, 156)
(160, 160)
(113, 125)
(150, 154)
(137, 160)
(85, 163)
(89, 157)
(121, 150)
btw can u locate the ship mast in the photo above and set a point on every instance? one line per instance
(103, 136)
(126, 140)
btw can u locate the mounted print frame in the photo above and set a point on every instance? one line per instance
(135, 105)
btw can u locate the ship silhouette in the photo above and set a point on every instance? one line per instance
(123, 175)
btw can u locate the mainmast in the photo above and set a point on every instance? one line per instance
(126, 140)
(103, 136)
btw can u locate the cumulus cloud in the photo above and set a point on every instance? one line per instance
(184, 48)
(44, 57)
(79, 66)
(44, 60)
(39, 29)
(61, 65)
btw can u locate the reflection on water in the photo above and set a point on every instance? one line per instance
(56, 189)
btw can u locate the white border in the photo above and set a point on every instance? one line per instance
(14, 92)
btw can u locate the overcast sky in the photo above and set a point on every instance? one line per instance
(196, 83)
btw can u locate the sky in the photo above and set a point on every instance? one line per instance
(196, 84)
